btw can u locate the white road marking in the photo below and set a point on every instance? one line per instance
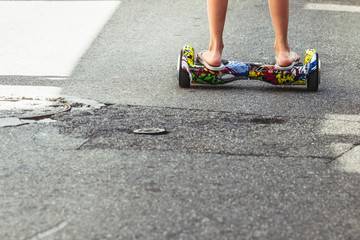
(350, 161)
(341, 124)
(48, 38)
(9, 91)
(332, 7)
(337, 124)
(38, 97)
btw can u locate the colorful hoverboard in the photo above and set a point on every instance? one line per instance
(191, 70)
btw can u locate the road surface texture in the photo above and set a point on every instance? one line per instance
(246, 160)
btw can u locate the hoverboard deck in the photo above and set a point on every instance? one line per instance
(307, 73)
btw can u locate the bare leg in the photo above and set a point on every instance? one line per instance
(279, 11)
(216, 14)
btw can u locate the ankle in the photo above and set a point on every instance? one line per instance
(216, 48)
(281, 47)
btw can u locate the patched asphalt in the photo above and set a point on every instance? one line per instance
(202, 131)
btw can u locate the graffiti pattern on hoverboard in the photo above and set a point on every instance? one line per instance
(266, 73)
(242, 70)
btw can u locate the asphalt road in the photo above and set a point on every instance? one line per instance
(246, 160)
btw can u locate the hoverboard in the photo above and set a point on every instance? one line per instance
(192, 71)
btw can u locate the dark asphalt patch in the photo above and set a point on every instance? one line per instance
(202, 131)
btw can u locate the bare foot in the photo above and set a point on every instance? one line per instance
(283, 55)
(212, 58)
(286, 58)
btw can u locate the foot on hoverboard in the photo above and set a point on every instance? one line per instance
(208, 66)
(296, 60)
(306, 73)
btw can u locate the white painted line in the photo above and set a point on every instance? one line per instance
(350, 161)
(343, 125)
(337, 124)
(29, 91)
(48, 38)
(332, 7)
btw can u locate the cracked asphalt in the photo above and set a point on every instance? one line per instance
(246, 160)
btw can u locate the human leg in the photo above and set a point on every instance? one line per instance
(216, 16)
(279, 11)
